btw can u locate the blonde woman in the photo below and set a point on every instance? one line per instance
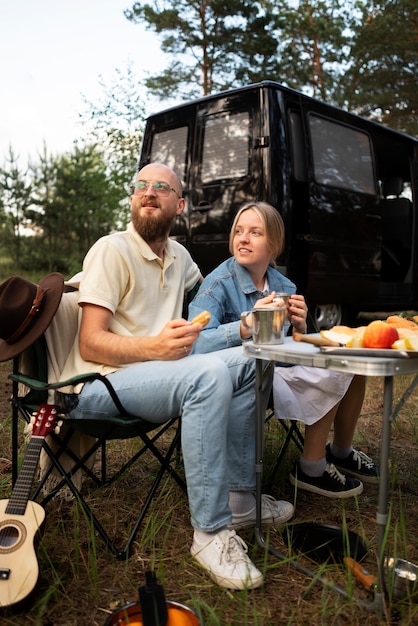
(319, 398)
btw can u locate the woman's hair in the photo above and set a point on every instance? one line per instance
(273, 227)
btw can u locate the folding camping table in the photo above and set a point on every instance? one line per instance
(363, 362)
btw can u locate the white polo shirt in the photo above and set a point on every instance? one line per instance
(121, 273)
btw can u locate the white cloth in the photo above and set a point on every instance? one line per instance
(307, 393)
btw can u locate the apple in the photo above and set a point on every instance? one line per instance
(379, 334)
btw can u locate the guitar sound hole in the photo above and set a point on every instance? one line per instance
(10, 536)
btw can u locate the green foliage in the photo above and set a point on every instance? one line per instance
(359, 54)
(301, 44)
(313, 39)
(115, 122)
(345, 52)
(75, 203)
(207, 42)
(382, 82)
(68, 201)
(15, 200)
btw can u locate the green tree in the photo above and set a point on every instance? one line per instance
(16, 198)
(76, 203)
(218, 45)
(115, 122)
(314, 41)
(206, 40)
(382, 82)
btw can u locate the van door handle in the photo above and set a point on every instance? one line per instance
(204, 206)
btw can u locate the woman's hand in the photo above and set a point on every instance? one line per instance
(244, 332)
(297, 312)
(266, 300)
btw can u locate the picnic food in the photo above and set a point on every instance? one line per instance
(203, 318)
(397, 332)
(379, 334)
(399, 321)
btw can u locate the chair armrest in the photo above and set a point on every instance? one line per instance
(38, 385)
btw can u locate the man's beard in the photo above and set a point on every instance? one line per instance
(152, 228)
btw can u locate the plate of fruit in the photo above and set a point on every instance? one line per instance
(397, 336)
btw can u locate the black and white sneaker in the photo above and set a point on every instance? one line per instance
(357, 464)
(331, 484)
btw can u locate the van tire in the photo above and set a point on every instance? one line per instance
(324, 316)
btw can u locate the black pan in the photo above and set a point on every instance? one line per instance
(322, 542)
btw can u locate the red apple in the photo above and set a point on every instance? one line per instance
(379, 334)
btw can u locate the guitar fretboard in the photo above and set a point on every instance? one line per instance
(21, 491)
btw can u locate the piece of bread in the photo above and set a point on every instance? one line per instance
(401, 322)
(203, 318)
(347, 330)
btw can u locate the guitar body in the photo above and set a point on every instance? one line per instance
(20, 519)
(18, 563)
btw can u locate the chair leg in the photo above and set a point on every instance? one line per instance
(294, 435)
(165, 466)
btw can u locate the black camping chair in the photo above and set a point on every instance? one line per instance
(68, 457)
(291, 435)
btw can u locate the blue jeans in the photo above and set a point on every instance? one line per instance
(215, 396)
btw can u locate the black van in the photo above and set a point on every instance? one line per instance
(346, 187)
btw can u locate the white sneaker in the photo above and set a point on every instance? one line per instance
(226, 560)
(273, 513)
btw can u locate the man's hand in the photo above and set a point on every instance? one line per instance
(176, 340)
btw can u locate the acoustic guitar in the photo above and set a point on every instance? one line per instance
(20, 519)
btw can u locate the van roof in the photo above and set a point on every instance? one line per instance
(274, 85)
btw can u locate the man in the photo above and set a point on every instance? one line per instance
(131, 330)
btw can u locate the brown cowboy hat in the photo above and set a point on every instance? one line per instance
(26, 310)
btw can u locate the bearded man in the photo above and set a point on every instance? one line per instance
(131, 330)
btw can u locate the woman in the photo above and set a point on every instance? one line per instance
(320, 398)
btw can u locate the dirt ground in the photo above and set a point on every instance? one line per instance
(81, 583)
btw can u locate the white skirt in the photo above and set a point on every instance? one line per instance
(307, 393)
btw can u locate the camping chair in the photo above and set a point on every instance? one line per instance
(68, 458)
(292, 434)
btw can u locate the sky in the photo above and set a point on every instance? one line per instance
(52, 52)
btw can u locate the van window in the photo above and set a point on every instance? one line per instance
(297, 146)
(342, 156)
(226, 146)
(170, 147)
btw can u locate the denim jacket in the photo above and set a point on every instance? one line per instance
(227, 292)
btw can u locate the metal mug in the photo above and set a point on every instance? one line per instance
(267, 325)
(402, 578)
(281, 299)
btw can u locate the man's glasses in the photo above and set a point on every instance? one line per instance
(161, 189)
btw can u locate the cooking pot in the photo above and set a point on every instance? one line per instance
(152, 609)
(131, 615)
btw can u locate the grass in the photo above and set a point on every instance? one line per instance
(81, 583)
